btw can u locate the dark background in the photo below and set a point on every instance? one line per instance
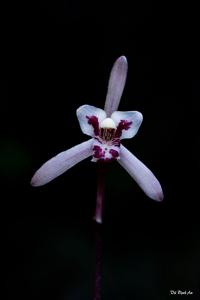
(60, 57)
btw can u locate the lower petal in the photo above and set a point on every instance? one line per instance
(61, 163)
(141, 174)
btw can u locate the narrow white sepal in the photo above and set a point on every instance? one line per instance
(61, 163)
(141, 174)
(116, 85)
(85, 111)
(131, 116)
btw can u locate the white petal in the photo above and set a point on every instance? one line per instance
(134, 119)
(86, 111)
(141, 174)
(116, 85)
(61, 163)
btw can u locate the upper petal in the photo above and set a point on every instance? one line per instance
(141, 174)
(127, 122)
(89, 118)
(116, 85)
(61, 163)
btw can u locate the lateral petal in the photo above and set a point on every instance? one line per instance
(127, 123)
(89, 118)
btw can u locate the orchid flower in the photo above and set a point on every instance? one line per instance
(106, 128)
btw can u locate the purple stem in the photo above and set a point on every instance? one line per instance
(100, 193)
(98, 230)
(98, 237)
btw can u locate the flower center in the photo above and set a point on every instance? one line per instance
(106, 146)
(107, 129)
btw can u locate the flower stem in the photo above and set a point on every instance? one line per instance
(98, 228)
(100, 193)
(98, 241)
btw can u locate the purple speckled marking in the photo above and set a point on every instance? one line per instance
(98, 152)
(106, 146)
(93, 120)
(114, 153)
(116, 142)
(123, 125)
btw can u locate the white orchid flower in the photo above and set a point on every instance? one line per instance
(107, 128)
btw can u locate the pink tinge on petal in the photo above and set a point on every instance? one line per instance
(116, 85)
(123, 125)
(93, 120)
(61, 163)
(141, 174)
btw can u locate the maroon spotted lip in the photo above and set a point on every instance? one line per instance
(107, 137)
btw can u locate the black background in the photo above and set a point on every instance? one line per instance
(60, 57)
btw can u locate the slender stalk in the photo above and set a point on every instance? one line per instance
(100, 193)
(98, 238)
(98, 228)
